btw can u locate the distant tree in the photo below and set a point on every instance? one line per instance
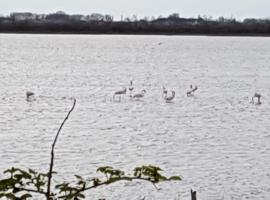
(96, 17)
(134, 18)
(127, 19)
(249, 21)
(221, 19)
(60, 12)
(232, 20)
(21, 16)
(108, 18)
(146, 19)
(40, 17)
(205, 17)
(152, 18)
(76, 17)
(59, 16)
(174, 16)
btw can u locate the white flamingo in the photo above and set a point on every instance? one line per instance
(119, 93)
(192, 90)
(258, 96)
(139, 95)
(170, 98)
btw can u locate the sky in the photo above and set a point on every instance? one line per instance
(238, 9)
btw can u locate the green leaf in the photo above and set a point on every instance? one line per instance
(15, 190)
(175, 178)
(7, 183)
(25, 196)
(10, 196)
(104, 169)
(25, 174)
(18, 176)
(81, 196)
(96, 181)
(155, 168)
(32, 171)
(112, 180)
(78, 177)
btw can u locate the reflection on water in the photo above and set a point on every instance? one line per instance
(216, 140)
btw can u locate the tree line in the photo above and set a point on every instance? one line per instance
(95, 23)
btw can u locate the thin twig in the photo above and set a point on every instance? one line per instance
(52, 152)
(124, 178)
(30, 190)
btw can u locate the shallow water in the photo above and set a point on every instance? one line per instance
(216, 140)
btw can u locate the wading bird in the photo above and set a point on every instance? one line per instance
(258, 96)
(30, 96)
(165, 92)
(119, 93)
(130, 88)
(191, 91)
(139, 95)
(170, 98)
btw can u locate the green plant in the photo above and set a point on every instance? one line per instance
(23, 184)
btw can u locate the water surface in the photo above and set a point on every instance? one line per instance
(217, 140)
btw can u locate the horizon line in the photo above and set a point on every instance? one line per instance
(131, 15)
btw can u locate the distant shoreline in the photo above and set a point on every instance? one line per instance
(97, 24)
(104, 24)
(136, 33)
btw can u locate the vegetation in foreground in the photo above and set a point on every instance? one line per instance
(23, 184)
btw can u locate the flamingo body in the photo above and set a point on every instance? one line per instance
(119, 93)
(170, 98)
(258, 96)
(139, 95)
(192, 90)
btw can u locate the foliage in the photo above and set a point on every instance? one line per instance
(22, 184)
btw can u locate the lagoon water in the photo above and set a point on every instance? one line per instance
(217, 140)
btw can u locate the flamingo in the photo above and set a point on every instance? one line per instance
(130, 88)
(139, 95)
(192, 90)
(170, 98)
(164, 91)
(30, 96)
(120, 92)
(258, 96)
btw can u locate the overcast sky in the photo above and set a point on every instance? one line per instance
(186, 8)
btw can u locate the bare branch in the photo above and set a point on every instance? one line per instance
(30, 190)
(48, 193)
